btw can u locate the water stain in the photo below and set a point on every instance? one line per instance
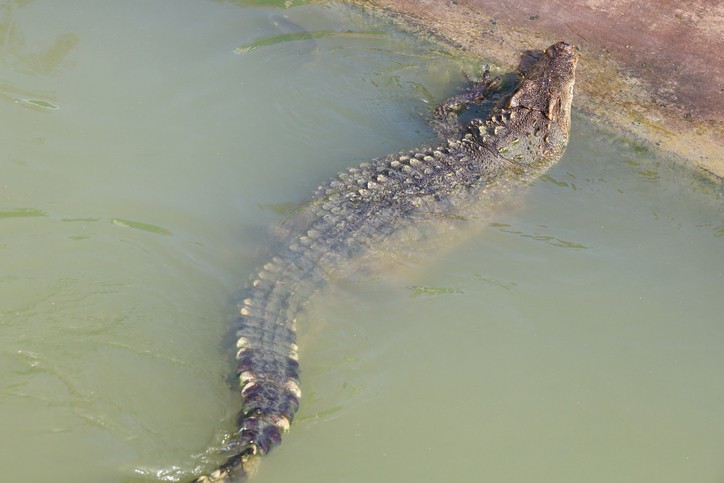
(549, 239)
(22, 213)
(137, 225)
(300, 36)
(73, 220)
(421, 290)
(14, 50)
(38, 103)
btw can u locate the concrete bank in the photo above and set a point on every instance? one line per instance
(650, 69)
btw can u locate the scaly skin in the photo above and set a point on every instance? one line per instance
(366, 205)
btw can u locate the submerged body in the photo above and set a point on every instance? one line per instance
(369, 204)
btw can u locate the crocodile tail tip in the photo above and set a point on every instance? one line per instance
(239, 467)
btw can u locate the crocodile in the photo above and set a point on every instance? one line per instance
(364, 206)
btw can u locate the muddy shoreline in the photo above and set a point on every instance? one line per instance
(652, 71)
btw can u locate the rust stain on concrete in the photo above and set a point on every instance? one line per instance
(651, 69)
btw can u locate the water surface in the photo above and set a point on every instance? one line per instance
(149, 146)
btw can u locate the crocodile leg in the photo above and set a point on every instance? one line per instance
(445, 122)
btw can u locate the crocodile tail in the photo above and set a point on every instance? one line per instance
(268, 373)
(270, 391)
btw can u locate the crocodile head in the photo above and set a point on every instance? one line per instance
(541, 105)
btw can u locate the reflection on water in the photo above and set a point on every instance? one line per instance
(576, 337)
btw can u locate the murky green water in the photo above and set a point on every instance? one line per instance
(147, 146)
